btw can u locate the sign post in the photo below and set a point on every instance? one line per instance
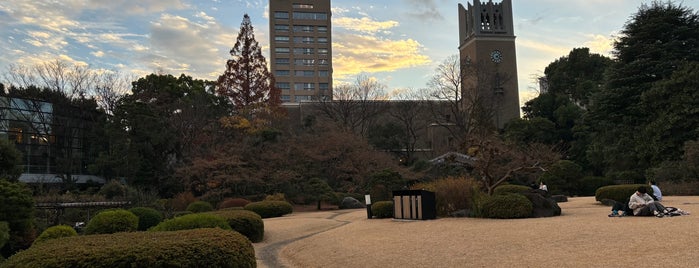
(367, 198)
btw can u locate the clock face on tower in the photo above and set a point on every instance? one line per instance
(496, 56)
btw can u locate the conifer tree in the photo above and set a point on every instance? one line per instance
(247, 83)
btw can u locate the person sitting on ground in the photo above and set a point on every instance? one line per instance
(657, 194)
(644, 205)
(620, 209)
(542, 186)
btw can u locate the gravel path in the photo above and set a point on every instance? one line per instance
(582, 237)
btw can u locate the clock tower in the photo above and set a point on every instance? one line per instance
(488, 61)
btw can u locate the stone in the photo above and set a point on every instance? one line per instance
(543, 206)
(350, 202)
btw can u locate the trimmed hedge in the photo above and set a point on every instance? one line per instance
(382, 209)
(112, 221)
(507, 206)
(147, 217)
(619, 193)
(200, 206)
(245, 222)
(270, 209)
(510, 189)
(210, 247)
(192, 221)
(233, 202)
(54, 232)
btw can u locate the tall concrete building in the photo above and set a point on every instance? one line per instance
(489, 66)
(301, 49)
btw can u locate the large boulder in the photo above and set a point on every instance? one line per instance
(543, 204)
(350, 202)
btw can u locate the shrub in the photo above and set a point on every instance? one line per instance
(17, 209)
(510, 189)
(382, 184)
(563, 177)
(147, 217)
(451, 193)
(245, 222)
(54, 232)
(199, 206)
(180, 201)
(619, 193)
(192, 221)
(270, 209)
(507, 206)
(113, 189)
(275, 197)
(210, 247)
(233, 202)
(4, 233)
(11, 159)
(112, 221)
(382, 209)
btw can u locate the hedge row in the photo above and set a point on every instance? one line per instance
(270, 209)
(245, 222)
(211, 247)
(619, 193)
(192, 221)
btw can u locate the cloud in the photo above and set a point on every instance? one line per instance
(354, 53)
(600, 44)
(364, 24)
(426, 10)
(98, 54)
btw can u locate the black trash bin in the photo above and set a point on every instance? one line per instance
(414, 205)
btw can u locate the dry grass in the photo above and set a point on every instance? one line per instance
(582, 237)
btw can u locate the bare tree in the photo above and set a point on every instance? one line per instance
(410, 112)
(109, 87)
(355, 106)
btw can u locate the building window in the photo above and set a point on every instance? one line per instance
(323, 73)
(281, 72)
(281, 50)
(310, 16)
(303, 39)
(303, 28)
(304, 62)
(286, 98)
(322, 40)
(303, 51)
(323, 51)
(281, 15)
(283, 85)
(323, 86)
(302, 98)
(323, 62)
(281, 27)
(282, 61)
(284, 39)
(304, 86)
(322, 29)
(307, 73)
(307, 6)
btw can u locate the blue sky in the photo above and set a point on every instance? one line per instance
(399, 42)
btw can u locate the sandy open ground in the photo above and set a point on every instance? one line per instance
(582, 237)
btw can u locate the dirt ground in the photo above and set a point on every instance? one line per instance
(583, 236)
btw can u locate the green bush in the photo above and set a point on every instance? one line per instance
(112, 221)
(233, 202)
(113, 189)
(619, 193)
(54, 232)
(4, 233)
(275, 197)
(589, 185)
(200, 206)
(382, 209)
(245, 222)
(192, 221)
(211, 247)
(510, 189)
(507, 206)
(451, 193)
(10, 161)
(270, 209)
(17, 209)
(147, 217)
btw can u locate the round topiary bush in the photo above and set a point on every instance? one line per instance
(54, 232)
(245, 222)
(147, 217)
(210, 247)
(506, 206)
(200, 206)
(112, 221)
(382, 209)
(270, 209)
(619, 193)
(192, 221)
(233, 203)
(510, 189)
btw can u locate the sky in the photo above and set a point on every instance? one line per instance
(399, 42)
